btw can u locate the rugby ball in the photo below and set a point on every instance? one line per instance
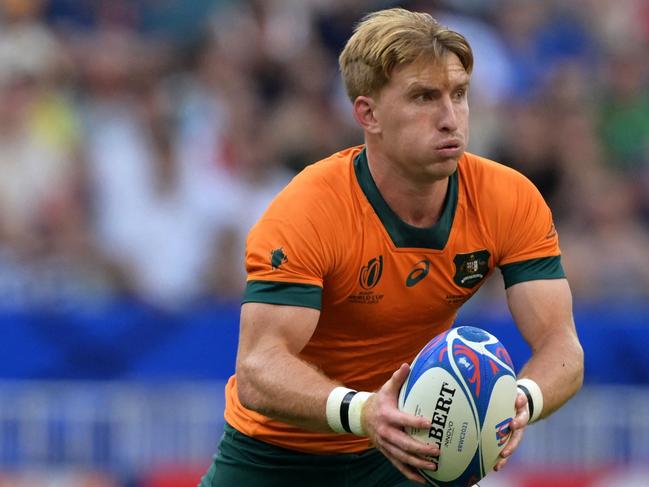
(463, 380)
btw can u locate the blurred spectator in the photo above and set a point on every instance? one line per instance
(624, 116)
(37, 126)
(142, 202)
(540, 36)
(139, 141)
(525, 145)
(46, 254)
(606, 253)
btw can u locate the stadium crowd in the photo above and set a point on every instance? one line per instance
(140, 140)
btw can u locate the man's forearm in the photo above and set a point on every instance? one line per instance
(281, 386)
(557, 367)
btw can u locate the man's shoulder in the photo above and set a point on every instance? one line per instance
(336, 167)
(325, 178)
(476, 164)
(321, 188)
(488, 175)
(497, 192)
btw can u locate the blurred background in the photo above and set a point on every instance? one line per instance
(140, 140)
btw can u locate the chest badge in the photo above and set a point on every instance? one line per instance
(471, 268)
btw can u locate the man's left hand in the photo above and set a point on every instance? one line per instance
(517, 426)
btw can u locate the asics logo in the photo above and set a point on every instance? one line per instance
(418, 272)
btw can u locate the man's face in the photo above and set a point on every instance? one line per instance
(423, 117)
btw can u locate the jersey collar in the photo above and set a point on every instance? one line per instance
(404, 235)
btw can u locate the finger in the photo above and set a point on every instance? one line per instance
(521, 400)
(393, 418)
(513, 443)
(405, 420)
(407, 459)
(409, 473)
(522, 417)
(500, 464)
(398, 378)
(412, 446)
(407, 443)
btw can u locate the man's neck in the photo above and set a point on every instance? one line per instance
(417, 203)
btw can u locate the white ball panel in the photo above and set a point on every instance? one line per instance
(437, 395)
(501, 407)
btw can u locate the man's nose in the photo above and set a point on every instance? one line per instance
(447, 120)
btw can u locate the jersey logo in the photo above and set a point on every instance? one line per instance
(471, 268)
(370, 274)
(418, 272)
(277, 257)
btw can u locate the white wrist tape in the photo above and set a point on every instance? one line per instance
(334, 401)
(344, 410)
(356, 412)
(534, 397)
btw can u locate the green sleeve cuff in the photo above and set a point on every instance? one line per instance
(286, 293)
(533, 269)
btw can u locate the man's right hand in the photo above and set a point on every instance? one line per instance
(385, 424)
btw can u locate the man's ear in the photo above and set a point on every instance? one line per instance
(364, 113)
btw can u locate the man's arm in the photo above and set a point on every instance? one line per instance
(542, 311)
(274, 381)
(271, 379)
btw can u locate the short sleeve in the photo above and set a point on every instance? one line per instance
(287, 256)
(528, 240)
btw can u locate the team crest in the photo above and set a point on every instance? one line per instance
(277, 258)
(471, 268)
(370, 274)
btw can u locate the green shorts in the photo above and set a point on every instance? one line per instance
(243, 461)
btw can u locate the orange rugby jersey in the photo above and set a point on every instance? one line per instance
(384, 288)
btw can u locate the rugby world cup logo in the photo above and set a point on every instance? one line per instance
(371, 273)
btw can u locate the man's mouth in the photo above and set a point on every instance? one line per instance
(451, 144)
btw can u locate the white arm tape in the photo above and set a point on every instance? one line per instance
(344, 410)
(334, 401)
(534, 397)
(356, 411)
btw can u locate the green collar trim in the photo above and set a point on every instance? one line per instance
(404, 235)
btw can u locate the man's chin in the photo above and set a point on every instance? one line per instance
(444, 168)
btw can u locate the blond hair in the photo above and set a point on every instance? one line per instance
(389, 38)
